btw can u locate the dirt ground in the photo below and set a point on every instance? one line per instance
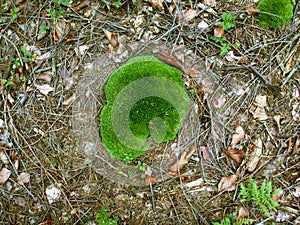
(47, 49)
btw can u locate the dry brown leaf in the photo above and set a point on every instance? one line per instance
(158, 4)
(277, 120)
(81, 5)
(168, 60)
(252, 11)
(112, 37)
(205, 152)
(4, 175)
(219, 32)
(182, 161)
(193, 73)
(44, 89)
(150, 179)
(189, 15)
(255, 155)
(23, 178)
(20, 201)
(211, 3)
(227, 183)
(242, 213)
(237, 156)
(258, 108)
(238, 136)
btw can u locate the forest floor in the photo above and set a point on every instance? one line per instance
(46, 47)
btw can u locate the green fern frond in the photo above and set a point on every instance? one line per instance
(262, 197)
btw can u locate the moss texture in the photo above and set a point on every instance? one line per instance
(156, 113)
(282, 8)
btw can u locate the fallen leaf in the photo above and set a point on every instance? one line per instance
(81, 5)
(242, 213)
(69, 100)
(202, 25)
(20, 201)
(150, 179)
(4, 175)
(252, 11)
(230, 57)
(189, 15)
(193, 73)
(219, 32)
(219, 103)
(195, 183)
(3, 156)
(53, 193)
(277, 120)
(23, 178)
(258, 108)
(205, 152)
(237, 156)
(44, 89)
(255, 155)
(211, 3)
(182, 161)
(112, 37)
(168, 60)
(158, 4)
(238, 136)
(227, 183)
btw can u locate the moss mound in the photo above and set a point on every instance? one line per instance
(281, 8)
(145, 97)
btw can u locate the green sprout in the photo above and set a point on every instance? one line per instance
(103, 218)
(228, 20)
(14, 14)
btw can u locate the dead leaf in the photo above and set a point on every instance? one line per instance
(158, 4)
(168, 60)
(20, 201)
(202, 25)
(227, 183)
(258, 108)
(81, 5)
(53, 193)
(219, 32)
(44, 89)
(252, 11)
(205, 152)
(3, 156)
(230, 57)
(152, 180)
(4, 175)
(211, 3)
(277, 120)
(242, 213)
(112, 37)
(189, 15)
(193, 73)
(237, 156)
(69, 100)
(238, 136)
(23, 178)
(182, 161)
(255, 155)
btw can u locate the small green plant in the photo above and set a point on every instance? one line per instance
(225, 45)
(119, 3)
(5, 6)
(278, 13)
(16, 63)
(44, 28)
(14, 14)
(8, 84)
(262, 197)
(58, 8)
(26, 56)
(103, 218)
(228, 20)
(230, 220)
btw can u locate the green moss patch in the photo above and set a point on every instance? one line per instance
(282, 8)
(145, 98)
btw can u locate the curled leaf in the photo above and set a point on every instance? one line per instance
(238, 136)
(255, 155)
(252, 11)
(237, 156)
(227, 183)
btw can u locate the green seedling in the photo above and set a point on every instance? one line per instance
(103, 218)
(274, 13)
(230, 220)
(119, 3)
(44, 28)
(145, 98)
(58, 9)
(262, 197)
(14, 14)
(228, 20)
